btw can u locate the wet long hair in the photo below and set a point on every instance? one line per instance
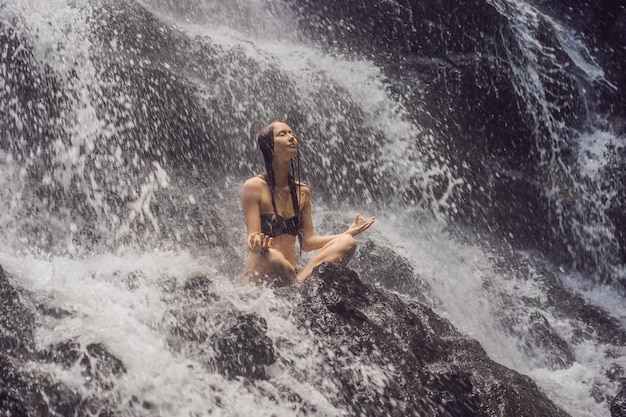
(265, 139)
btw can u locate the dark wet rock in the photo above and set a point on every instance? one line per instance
(23, 84)
(192, 323)
(16, 396)
(228, 341)
(603, 24)
(243, 348)
(589, 321)
(16, 322)
(389, 269)
(618, 406)
(26, 391)
(29, 394)
(200, 287)
(187, 325)
(98, 366)
(452, 62)
(53, 311)
(596, 322)
(429, 368)
(33, 393)
(523, 214)
(614, 372)
(66, 353)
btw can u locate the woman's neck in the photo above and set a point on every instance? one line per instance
(281, 173)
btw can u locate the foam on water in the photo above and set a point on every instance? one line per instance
(594, 151)
(123, 301)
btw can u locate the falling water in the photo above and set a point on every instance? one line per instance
(109, 210)
(577, 181)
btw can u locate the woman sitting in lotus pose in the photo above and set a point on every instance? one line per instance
(277, 209)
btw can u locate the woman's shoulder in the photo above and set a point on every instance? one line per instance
(255, 183)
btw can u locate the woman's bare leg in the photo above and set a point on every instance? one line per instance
(339, 250)
(270, 267)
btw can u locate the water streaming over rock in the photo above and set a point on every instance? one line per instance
(486, 136)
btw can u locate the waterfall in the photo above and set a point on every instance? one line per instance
(128, 129)
(577, 148)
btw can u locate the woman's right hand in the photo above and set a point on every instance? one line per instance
(258, 243)
(359, 225)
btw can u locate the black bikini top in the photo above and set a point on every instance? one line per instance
(274, 225)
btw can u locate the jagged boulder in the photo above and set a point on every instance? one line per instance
(425, 366)
(98, 366)
(380, 265)
(16, 322)
(26, 391)
(226, 340)
(541, 336)
(243, 348)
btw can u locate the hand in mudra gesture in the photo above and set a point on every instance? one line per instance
(259, 243)
(359, 225)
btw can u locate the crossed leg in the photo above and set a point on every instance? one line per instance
(272, 266)
(339, 250)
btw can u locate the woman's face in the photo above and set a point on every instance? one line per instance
(285, 142)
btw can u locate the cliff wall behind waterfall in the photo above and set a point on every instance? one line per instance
(518, 112)
(487, 136)
(516, 98)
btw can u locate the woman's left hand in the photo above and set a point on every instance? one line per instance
(359, 225)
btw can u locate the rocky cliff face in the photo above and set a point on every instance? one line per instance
(603, 24)
(462, 72)
(457, 66)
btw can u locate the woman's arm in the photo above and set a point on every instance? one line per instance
(251, 204)
(310, 241)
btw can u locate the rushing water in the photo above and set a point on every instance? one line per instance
(106, 211)
(582, 194)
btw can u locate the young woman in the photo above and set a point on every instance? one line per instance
(277, 208)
